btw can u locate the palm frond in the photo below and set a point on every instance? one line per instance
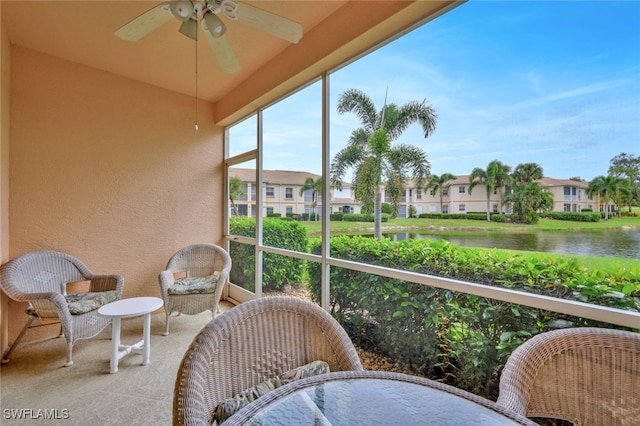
(345, 159)
(414, 112)
(413, 159)
(358, 102)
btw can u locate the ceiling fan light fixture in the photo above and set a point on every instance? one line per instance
(214, 25)
(182, 10)
(199, 7)
(190, 29)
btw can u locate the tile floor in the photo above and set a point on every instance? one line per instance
(35, 384)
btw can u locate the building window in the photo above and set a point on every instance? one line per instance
(289, 211)
(445, 209)
(418, 194)
(242, 210)
(445, 192)
(271, 192)
(345, 192)
(243, 196)
(288, 193)
(462, 208)
(269, 211)
(495, 208)
(461, 189)
(566, 207)
(308, 195)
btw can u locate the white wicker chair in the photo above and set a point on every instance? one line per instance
(253, 342)
(195, 263)
(588, 376)
(40, 278)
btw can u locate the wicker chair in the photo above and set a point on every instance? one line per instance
(588, 376)
(40, 278)
(194, 279)
(251, 343)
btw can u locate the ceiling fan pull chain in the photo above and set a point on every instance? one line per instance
(196, 43)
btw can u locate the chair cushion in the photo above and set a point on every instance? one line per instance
(230, 406)
(194, 285)
(81, 303)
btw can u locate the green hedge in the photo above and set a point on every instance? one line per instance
(460, 339)
(470, 216)
(277, 270)
(357, 217)
(575, 216)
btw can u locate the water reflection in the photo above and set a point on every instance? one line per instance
(601, 243)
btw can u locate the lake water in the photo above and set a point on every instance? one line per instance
(601, 243)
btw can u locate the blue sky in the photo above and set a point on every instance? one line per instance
(551, 82)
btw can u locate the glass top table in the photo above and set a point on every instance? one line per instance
(372, 397)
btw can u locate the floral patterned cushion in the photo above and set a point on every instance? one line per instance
(230, 406)
(194, 285)
(81, 303)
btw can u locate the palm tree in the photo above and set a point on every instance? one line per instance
(494, 178)
(372, 157)
(235, 191)
(527, 172)
(606, 187)
(316, 187)
(437, 182)
(623, 193)
(527, 200)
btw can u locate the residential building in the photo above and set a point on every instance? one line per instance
(282, 195)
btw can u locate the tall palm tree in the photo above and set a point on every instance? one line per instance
(375, 161)
(316, 187)
(493, 178)
(527, 172)
(606, 187)
(437, 182)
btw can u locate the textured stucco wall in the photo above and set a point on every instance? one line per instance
(109, 170)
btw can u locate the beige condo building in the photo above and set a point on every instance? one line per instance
(281, 195)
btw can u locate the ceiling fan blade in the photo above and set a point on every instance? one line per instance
(224, 53)
(145, 23)
(269, 22)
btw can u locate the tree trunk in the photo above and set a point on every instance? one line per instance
(488, 204)
(377, 215)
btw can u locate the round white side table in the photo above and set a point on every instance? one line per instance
(126, 308)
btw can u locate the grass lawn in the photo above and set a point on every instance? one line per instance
(466, 224)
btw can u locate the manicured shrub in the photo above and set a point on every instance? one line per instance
(575, 216)
(337, 217)
(359, 217)
(457, 338)
(277, 270)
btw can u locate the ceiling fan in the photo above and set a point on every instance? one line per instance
(205, 13)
